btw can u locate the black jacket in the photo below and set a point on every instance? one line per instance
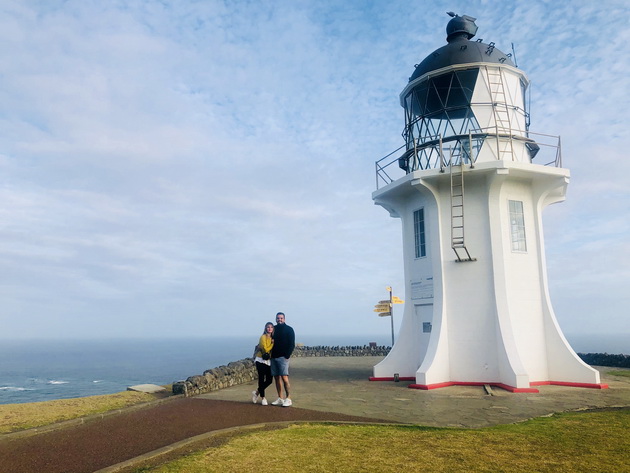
(283, 341)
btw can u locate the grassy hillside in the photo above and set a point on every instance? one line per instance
(596, 441)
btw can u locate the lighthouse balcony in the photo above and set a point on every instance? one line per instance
(441, 152)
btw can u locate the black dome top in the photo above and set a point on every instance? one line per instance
(460, 50)
(460, 25)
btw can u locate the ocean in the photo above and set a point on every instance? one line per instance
(33, 371)
(43, 370)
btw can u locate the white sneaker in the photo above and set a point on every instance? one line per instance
(264, 402)
(254, 397)
(287, 403)
(278, 402)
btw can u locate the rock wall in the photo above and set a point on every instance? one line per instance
(341, 351)
(244, 371)
(604, 359)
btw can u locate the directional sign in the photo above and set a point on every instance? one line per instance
(397, 300)
(384, 302)
(382, 309)
(385, 314)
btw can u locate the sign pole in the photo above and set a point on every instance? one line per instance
(391, 308)
(385, 308)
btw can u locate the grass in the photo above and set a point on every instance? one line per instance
(595, 441)
(625, 373)
(14, 417)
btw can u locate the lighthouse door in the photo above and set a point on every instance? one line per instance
(424, 318)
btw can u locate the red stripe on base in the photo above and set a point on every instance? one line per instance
(573, 385)
(401, 378)
(512, 389)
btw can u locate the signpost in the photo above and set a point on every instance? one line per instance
(385, 308)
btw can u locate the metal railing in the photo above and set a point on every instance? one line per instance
(382, 171)
(429, 153)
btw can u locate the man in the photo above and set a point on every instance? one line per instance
(283, 345)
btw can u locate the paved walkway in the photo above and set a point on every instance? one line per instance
(110, 440)
(334, 389)
(340, 384)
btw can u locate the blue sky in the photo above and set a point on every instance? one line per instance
(190, 168)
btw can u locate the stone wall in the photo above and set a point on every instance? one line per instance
(341, 351)
(605, 359)
(236, 372)
(244, 371)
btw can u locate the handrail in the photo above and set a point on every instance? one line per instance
(380, 168)
(436, 144)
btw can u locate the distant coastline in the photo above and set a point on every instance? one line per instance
(615, 343)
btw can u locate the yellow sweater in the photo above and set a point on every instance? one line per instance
(264, 345)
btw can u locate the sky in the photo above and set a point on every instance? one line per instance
(190, 168)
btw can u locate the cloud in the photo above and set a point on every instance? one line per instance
(177, 168)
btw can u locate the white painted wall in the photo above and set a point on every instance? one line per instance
(410, 348)
(492, 321)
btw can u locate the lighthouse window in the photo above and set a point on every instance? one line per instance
(418, 230)
(517, 226)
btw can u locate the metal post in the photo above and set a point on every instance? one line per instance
(441, 154)
(416, 164)
(470, 150)
(391, 313)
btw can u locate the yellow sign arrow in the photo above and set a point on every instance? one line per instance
(385, 314)
(382, 309)
(397, 300)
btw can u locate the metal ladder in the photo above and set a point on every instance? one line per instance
(501, 112)
(458, 244)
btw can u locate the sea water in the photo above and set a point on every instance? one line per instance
(42, 370)
(32, 371)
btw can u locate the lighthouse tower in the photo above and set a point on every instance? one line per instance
(474, 181)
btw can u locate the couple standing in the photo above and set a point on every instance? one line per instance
(272, 361)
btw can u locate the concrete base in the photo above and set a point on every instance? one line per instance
(147, 388)
(341, 384)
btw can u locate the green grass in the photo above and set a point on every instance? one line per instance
(625, 373)
(596, 441)
(14, 417)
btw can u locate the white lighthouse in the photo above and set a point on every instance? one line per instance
(474, 183)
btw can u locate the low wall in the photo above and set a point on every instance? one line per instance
(341, 351)
(605, 359)
(244, 371)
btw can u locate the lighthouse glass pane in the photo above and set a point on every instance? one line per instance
(517, 226)
(418, 229)
(467, 80)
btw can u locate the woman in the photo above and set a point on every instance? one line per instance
(263, 364)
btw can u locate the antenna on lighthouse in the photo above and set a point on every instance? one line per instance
(514, 55)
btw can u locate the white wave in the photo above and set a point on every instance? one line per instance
(13, 388)
(57, 382)
(97, 381)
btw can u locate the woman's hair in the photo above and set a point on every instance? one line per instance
(265, 330)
